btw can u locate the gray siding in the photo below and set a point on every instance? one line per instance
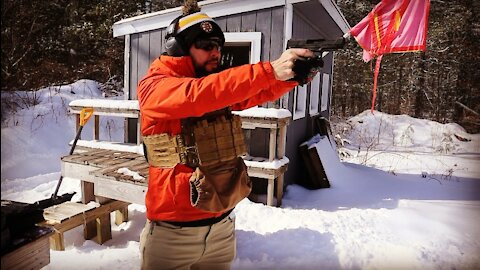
(302, 129)
(146, 46)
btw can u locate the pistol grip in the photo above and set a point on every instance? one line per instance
(305, 67)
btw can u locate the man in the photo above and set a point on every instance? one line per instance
(188, 227)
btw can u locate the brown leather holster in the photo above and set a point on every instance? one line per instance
(220, 187)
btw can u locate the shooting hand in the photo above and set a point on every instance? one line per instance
(283, 66)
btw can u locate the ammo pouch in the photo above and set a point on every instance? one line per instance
(212, 145)
(219, 187)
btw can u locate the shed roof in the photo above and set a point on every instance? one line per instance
(218, 8)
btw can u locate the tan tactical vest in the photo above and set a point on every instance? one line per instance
(205, 140)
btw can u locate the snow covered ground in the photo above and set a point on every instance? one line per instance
(406, 195)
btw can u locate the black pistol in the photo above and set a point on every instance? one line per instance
(305, 67)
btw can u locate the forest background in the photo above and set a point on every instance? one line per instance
(46, 43)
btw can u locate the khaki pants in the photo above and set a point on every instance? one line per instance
(165, 246)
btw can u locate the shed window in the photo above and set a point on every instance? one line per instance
(242, 47)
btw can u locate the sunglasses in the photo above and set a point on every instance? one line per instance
(208, 44)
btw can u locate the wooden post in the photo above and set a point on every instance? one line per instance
(89, 229)
(104, 230)
(57, 241)
(103, 223)
(281, 139)
(279, 189)
(121, 215)
(270, 187)
(272, 144)
(96, 128)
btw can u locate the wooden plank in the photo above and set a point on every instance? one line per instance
(88, 216)
(126, 192)
(33, 255)
(99, 161)
(77, 171)
(96, 152)
(128, 155)
(254, 125)
(126, 164)
(114, 161)
(66, 210)
(265, 173)
(88, 158)
(75, 158)
(140, 167)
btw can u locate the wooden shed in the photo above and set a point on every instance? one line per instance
(255, 30)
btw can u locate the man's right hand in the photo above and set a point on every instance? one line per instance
(283, 66)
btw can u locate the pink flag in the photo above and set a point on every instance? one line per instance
(392, 26)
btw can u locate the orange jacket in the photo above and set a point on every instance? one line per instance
(169, 93)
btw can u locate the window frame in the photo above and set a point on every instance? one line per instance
(254, 38)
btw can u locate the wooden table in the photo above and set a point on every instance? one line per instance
(101, 181)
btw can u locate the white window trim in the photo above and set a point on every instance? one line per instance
(325, 91)
(314, 95)
(299, 102)
(255, 39)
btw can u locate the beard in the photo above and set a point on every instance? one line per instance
(201, 70)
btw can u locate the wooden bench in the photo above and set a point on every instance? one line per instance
(69, 215)
(272, 168)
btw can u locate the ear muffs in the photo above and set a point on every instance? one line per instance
(173, 46)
